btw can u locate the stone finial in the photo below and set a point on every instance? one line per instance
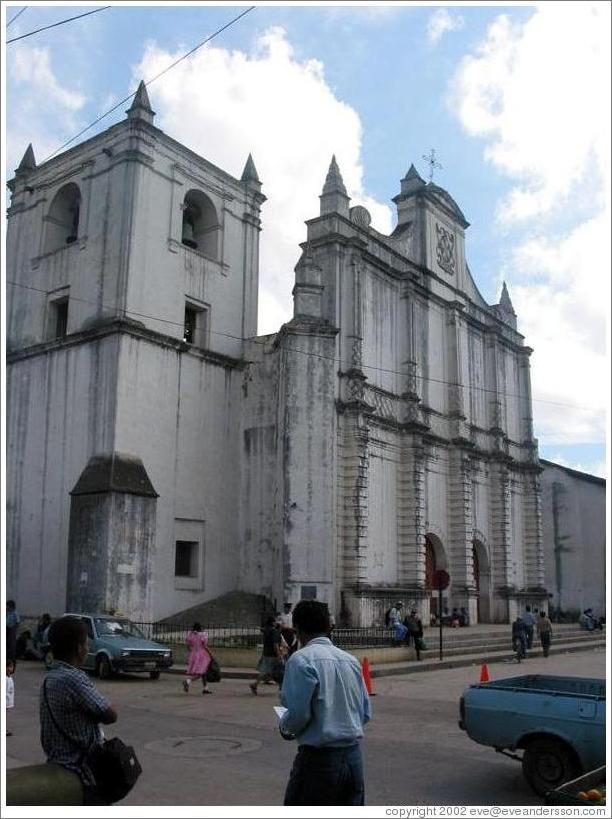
(333, 181)
(504, 302)
(412, 181)
(141, 107)
(334, 198)
(28, 162)
(249, 174)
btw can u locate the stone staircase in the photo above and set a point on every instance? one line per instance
(485, 644)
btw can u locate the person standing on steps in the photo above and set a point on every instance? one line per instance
(327, 707)
(530, 621)
(545, 632)
(198, 660)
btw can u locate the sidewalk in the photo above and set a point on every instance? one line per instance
(432, 664)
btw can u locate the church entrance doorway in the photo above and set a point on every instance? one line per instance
(434, 559)
(481, 573)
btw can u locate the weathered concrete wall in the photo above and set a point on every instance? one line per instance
(60, 411)
(574, 531)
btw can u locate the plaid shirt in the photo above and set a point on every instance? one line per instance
(77, 706)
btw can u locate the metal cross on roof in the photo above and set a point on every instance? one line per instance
(432, 162)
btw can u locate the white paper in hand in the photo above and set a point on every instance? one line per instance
(280, 711)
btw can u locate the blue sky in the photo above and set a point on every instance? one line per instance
(515, 100)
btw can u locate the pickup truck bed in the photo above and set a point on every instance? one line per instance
(559, 723)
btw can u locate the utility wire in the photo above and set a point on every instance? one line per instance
(53, 25)
(149, 82)
(19, 13)
(261, 341)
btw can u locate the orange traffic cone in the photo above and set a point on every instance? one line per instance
(484, 673)
(365, 670)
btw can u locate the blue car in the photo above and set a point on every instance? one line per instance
(116, 644)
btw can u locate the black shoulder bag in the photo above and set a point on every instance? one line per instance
(114, 765)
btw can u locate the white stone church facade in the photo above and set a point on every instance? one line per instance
(160, 454)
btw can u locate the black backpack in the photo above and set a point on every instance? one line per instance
(388, 617)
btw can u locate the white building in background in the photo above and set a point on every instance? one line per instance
(160, 454)
(574, 532)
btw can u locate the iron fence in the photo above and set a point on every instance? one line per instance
(251, 636)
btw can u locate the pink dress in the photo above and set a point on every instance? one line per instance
(199, 658)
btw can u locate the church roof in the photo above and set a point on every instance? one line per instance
(436, 193)
(505, 302)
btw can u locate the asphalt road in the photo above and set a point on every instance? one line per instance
(225, 749)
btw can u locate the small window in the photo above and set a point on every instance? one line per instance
(186, 558)
(60, 318)
(190, 325)
(195, 326)
(309, 593)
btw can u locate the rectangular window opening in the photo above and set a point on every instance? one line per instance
(60, 318)
(189, 331)
(309, 593)
(195, 327)
(186, 558)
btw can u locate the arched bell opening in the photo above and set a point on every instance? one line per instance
(63, 218)
(200, 226)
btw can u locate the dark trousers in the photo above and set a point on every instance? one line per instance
(529, 636)
(545, 638)
(326, 776)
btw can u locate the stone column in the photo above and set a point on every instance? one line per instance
(411, 513)
(501, 522)
(461, 532)
(533, 546)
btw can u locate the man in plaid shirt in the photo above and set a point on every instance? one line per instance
(69, 701)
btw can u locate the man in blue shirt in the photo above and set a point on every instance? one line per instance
(327, 706)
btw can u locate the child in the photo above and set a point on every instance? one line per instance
(10, 688)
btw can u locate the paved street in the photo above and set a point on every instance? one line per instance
(224, 749)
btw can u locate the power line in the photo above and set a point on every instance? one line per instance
(149, 82)
(19, 13)
(338, 361)
(53, 25)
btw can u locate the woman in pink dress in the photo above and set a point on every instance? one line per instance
(198, 660)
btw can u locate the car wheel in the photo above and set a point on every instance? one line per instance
(103, 668)
(48, 658)
(155, 674)
(548, 763)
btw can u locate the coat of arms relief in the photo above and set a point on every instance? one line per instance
(445, 249)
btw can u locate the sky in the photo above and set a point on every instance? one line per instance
(515, 99)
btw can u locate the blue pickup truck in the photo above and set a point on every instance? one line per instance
(558, 722)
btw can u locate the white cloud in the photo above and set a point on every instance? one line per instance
(42, 109)
(440, 22)
(224, 104)
(590, 467)
(538, 95)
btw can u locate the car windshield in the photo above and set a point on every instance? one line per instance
(116, 628)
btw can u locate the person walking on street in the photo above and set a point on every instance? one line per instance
(12, 627)
(545, 632)
(327, 707)
(71, 708)
(271, 660)
(10, 691)
(530, 621)
(198, 660)
(415, 631)
(285, 621)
